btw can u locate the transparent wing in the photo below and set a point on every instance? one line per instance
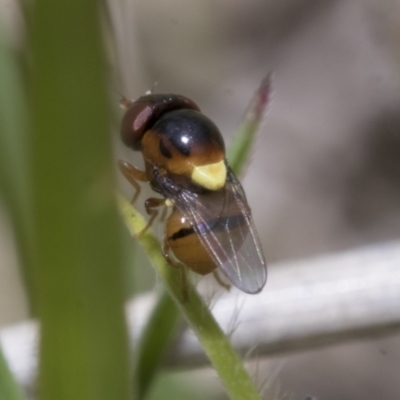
(225, 227)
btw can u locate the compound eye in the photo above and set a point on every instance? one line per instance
(134, 124)
(145, 111)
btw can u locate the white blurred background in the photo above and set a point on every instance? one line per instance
(325, 172)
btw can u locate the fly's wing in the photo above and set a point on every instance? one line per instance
(223, 222)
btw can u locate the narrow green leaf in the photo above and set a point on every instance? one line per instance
(154, 341)
(83, 351)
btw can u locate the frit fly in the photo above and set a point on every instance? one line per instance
(210, 226)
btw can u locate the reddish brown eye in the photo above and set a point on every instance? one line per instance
(145, 111)
(134, 124)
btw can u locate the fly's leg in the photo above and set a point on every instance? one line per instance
(133, 175)
(164, 214)
(151, 205)
(182, 268)
(218, 278)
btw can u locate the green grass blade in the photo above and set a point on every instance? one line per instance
(154, 341)
(83, 350)
(225, 360)
(9, 390)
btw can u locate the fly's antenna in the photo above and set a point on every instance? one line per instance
(125, 103)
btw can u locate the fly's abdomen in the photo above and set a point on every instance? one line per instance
(220, 239)
(186, 246)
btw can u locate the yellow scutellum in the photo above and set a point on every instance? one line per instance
(212, 176)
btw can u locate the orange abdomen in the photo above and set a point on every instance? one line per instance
(186, 246)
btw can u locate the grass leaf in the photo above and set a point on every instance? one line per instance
(83, 351)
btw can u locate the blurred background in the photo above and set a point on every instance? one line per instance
(325, 172)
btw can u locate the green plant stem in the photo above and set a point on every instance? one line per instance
(151, 349)
(224, 358)
(9, 390)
